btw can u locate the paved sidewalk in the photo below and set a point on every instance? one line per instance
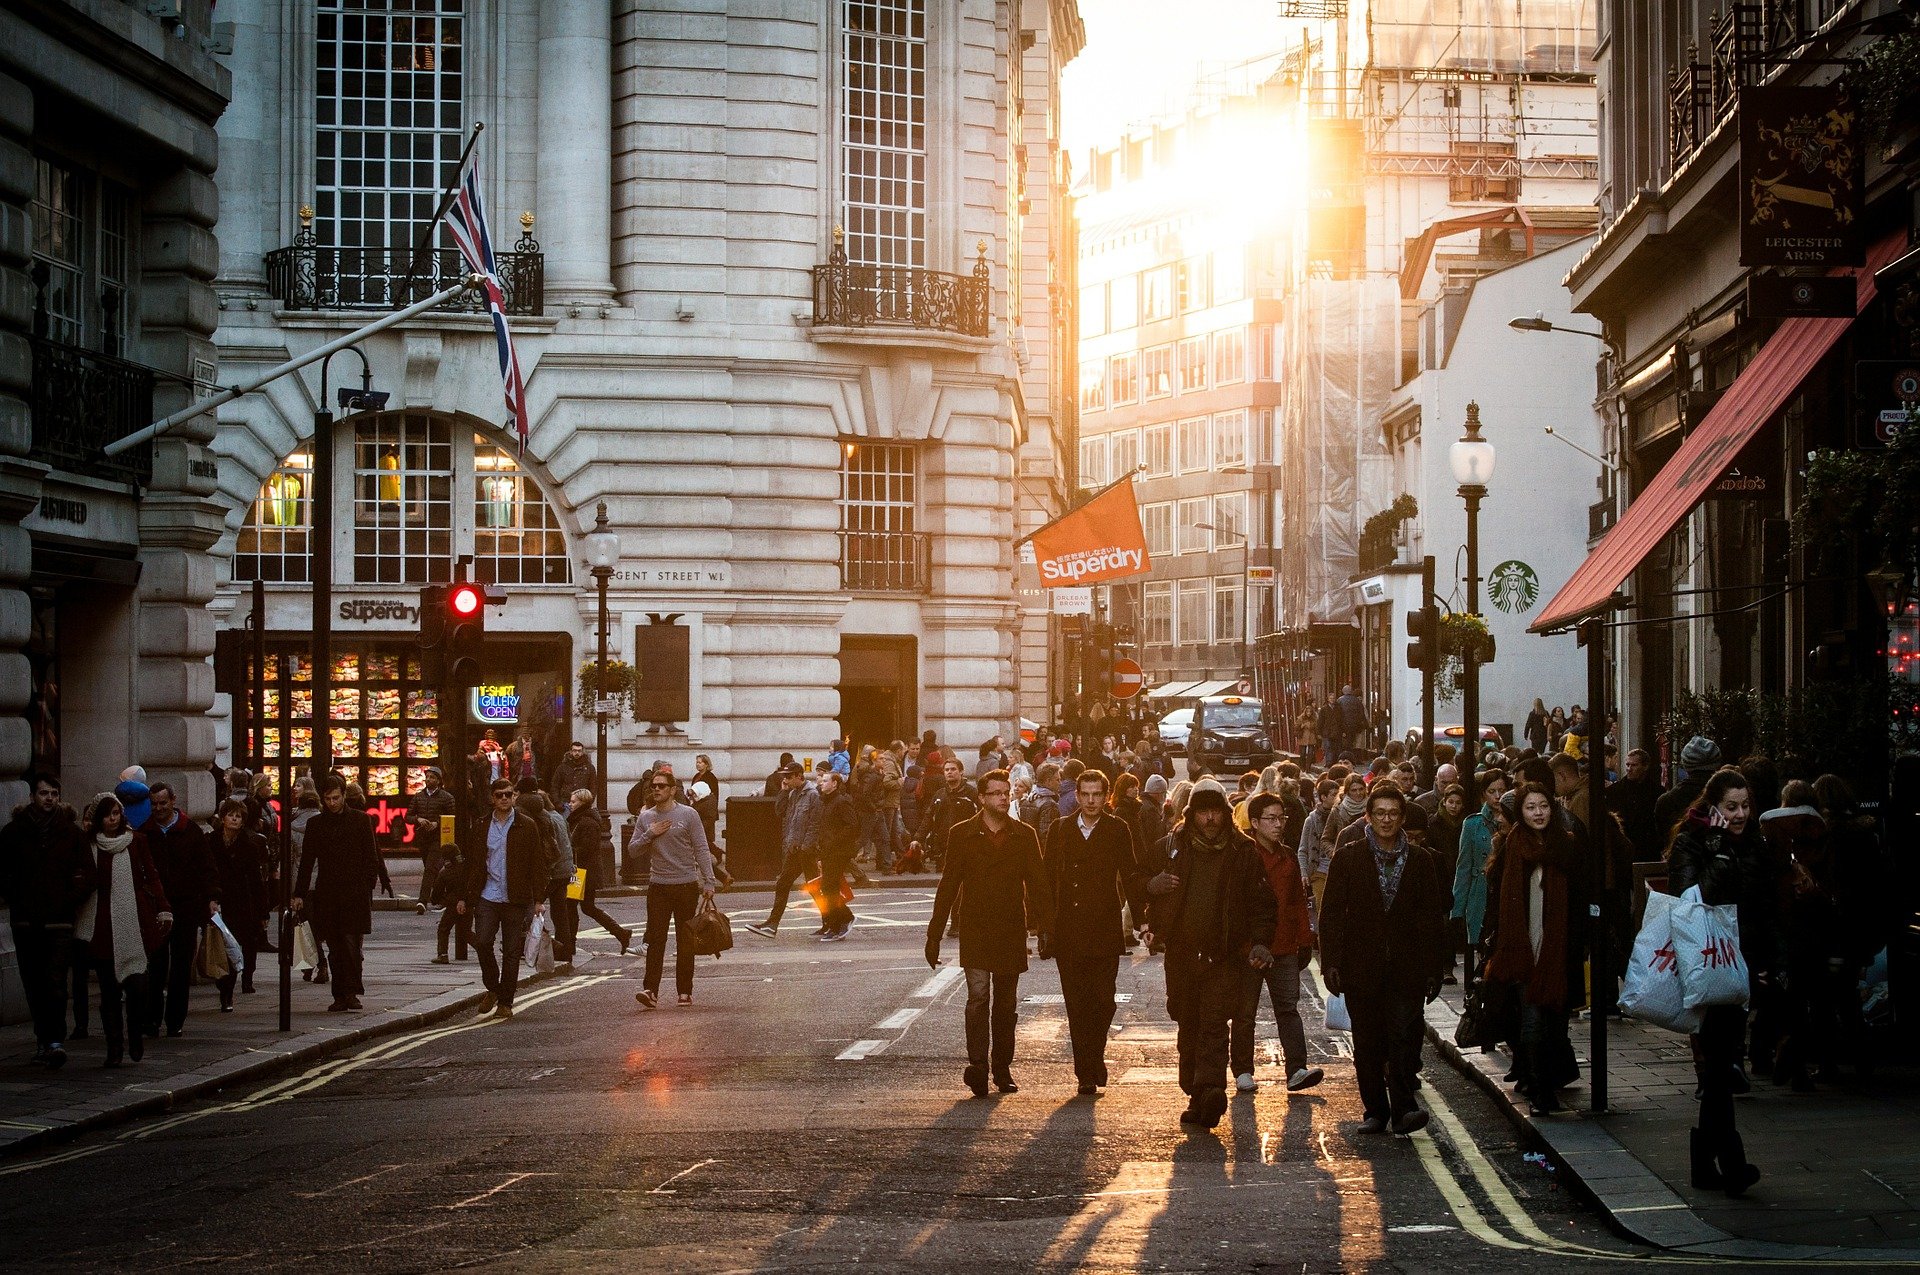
(1841, 1165)
(404, 990)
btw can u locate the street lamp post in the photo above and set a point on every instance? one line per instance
(603, 551)
(1471, 459)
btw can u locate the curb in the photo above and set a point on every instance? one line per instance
(1636, 1202)
(163, 1093)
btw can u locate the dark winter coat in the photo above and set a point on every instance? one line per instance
(46, 869)
(570, 775)
(592, 841)
(343, 865)
(1737, 870)
(839, 827)
(1244, 913)
(1091, 877)
(942, 812)
(528, 874)
(185, 861)
(241, 867)
(424, 810)
(1374, 951)
(999, 891)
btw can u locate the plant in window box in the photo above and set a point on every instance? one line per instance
(1378, 547)
(1459, 633)
(1884, 84)
(620, 681)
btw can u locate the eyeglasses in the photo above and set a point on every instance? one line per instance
(661, 783)
(505, 794)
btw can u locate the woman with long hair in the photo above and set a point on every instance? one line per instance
(240, 858)
(1535, 730)
(1717, 847)
(121, 922)
(1537, 950)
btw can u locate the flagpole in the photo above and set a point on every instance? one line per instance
(446, 201)
(1124, 478)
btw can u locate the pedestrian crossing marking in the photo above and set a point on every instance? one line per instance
(861, 1049)
(942, 979)
(898, 1018)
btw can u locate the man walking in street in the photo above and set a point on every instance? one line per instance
(339, 860)
(953, 804)
(995, 878)
(839, 842)
(503, 886)
(1699, 758)
(1292, 947)
(681, 875)
(1092, 870)
(1383, 946)
(424, 812)
(184, 857)
(1216, 913)
(574, 771)
(798, 813)
(46, 872)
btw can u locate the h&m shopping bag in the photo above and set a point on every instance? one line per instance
(1653, 992)
(1706, 939)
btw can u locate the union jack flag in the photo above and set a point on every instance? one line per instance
(467, 222)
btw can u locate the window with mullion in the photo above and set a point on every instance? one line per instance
(884, 127)
(402, 499)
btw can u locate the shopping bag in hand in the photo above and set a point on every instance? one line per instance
(577, 888)
(538, 954)
(1338, 1020)
(1653, 992)
(818, 894)
(236, 959)
(709, 933)
(1706, 939)
(306, 949)
(210, 956)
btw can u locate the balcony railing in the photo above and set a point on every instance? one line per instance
(1701, 94)
(1690, 113)
(846, 295)
(81, 402)
(310, 276)
(884, 561)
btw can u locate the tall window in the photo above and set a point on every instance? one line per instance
(1157, 520)
(1190, 283)
(1093, 461)
(1093, 385)
(1156, 294)
(1229, 356)
(1125, 456)
(402, 499)
(1157, 602)
(1191, 606)
(1229, 439)
(1194, 451)
(1156, 371)
(387, 91)
(884, 115)
(1193, 537)
(82, 257)
(1123, 379)
(1192, 357)
(273, 542)
(1229, 274)
(516, 534)
(1227, 598)
(1229, 518)
(1159, 451)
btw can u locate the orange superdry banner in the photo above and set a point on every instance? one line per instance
(1101, 540)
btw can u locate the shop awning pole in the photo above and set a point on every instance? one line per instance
(226, 396)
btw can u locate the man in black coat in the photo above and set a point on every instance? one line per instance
(341, 863)
(507, 875)
(1383, 946)
(839, 843)
(953, 804)
(46, 873)
(184, 857)
(995, 877)
(1093, 869)
(424, 812)
(574, 771)
(1635, 797)
(1215, 911)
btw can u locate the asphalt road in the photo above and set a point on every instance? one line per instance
(806, 1112)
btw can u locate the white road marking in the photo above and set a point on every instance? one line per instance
(662, 1188)
(899, 1018)
(943, 978)
(315, 1195)
(861, 1049)
(488, 1194)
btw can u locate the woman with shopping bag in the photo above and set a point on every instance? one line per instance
(1717, 848)
(124, 919)
(240, 859)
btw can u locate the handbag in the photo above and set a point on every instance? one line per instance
(306, 951)
(1706, 941)
(710, 932)
(1653, 992)
(210, 956)
(1490, 1016)
(537, 952)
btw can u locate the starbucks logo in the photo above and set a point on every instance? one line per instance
(1513, 586)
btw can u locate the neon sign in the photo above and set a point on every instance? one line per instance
(498, 704)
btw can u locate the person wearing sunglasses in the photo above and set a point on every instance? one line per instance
(681, 875)
(505, 887)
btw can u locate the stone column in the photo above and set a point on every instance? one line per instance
(575, 172)
(250, 146)
(179, 519)
(19, 477)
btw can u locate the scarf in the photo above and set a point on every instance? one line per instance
(129, 947)
(1391, 863)
(1346, 812)
(1542, 979)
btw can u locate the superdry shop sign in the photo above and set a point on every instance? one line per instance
(366, 610)
(1802, 177)
(1101, 540)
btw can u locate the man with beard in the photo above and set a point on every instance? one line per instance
(1216, 913)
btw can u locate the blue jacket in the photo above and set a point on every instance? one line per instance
(1469, 872)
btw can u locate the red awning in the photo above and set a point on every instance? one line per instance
(1762, 389)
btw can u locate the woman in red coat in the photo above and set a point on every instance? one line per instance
(122, 921)
(1292, 948)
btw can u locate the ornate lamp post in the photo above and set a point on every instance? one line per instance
(1471, 459)
(603, 551)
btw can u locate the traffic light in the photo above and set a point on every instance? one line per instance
(1423, 639)
(465, 618)
(433, 632)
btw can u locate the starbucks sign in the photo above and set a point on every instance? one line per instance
(1514, 586)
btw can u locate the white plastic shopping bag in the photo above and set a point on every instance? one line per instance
(1706, 940)
(1653, 993)
(1338, 1020)
(538, 954)
(306, 950)
(236, 959)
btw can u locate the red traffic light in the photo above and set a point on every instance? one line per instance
(466, 599)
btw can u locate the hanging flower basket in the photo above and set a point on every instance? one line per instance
(1460, 633)
(619, 684)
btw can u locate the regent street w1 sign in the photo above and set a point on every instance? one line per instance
(1802, 177)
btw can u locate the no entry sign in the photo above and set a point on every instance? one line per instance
(1127, 679)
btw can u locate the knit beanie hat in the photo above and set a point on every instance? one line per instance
(1700, 753)
(1156, 786)
(1205, 798)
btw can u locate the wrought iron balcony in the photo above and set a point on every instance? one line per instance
(81, 402)
(1690, 114)
(1701, 94)
(846, 295)
(884, 561)
(310, 276)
